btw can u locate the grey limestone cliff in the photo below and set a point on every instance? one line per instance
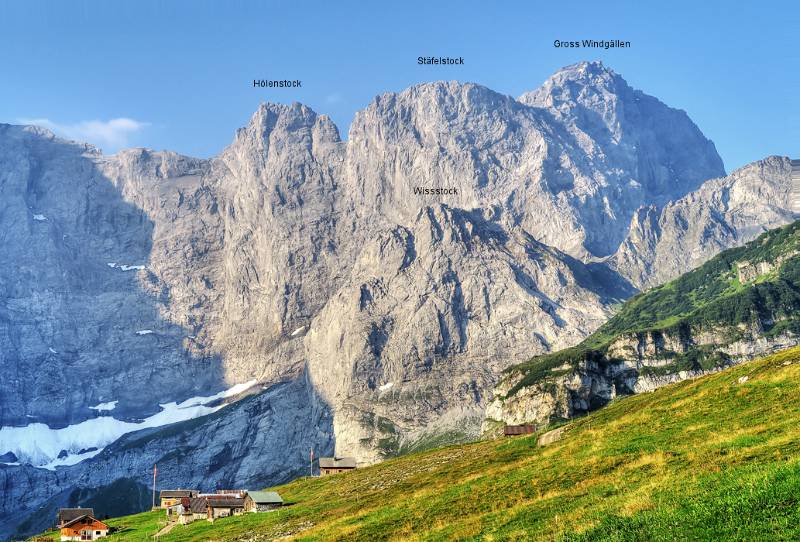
(635, 363)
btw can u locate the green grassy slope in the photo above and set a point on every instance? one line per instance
(717, 458)
(704, 298)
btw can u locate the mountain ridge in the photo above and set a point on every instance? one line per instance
(296, 258)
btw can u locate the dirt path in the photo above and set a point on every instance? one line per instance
(167, 528)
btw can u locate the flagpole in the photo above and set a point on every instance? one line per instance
(155, 470)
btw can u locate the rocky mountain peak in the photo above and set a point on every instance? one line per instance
(611, 122)
(586, 83)
(593, 73)
(280, 135)
(440, 93)
(295, 124)
(275, 116)
(427, 107)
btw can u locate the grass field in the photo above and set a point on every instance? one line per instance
(711, 459)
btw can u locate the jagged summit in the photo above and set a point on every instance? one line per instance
(442, 90)
(287, 119)
(587, 71)
(590, 85)
(279, 137)
(35, 134)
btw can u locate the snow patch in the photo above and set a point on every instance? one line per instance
(123, 267)
(70, 459)
(111, 405)
(230, 392)
(40, 218)
(297, 331)
(52, 351)
(386, 386)
(144, 332)
(39, 445)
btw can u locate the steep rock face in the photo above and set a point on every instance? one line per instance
(538, 159)
(635, 364)
(261, 440)
(721, 214)
(431, 314)
(640, 150)
(180, 200)
(76, 288)
(277, 182)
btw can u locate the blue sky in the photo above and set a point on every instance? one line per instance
(178, 75)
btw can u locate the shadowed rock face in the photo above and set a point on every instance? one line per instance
(294, 257)
(70, 305)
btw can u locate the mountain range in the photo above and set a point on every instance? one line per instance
(222, 316)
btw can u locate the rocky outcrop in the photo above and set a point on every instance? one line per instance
(632, 363)
(740, 304)
(747, 271)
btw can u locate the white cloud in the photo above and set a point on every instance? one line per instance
(110, 135)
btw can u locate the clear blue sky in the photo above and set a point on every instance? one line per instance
(183, 70)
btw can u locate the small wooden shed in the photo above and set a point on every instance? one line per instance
(514, 430)
(222, 506)
(334, 465)
(262, 501)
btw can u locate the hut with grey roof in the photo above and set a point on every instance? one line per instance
(262, 501)
(334, 465)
